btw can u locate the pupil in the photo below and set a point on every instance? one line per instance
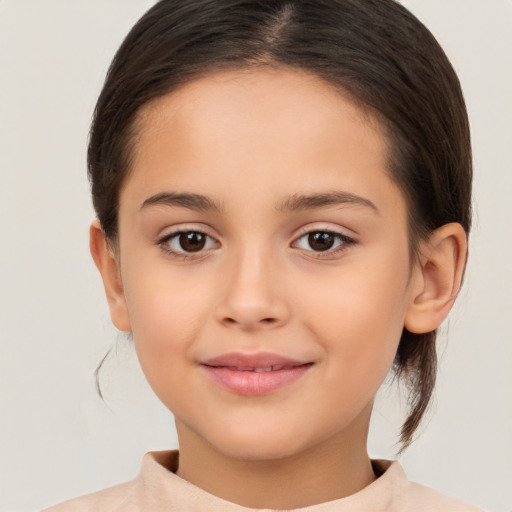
(192, 241)
(321, 241)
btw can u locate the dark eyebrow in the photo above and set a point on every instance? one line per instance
(293, 203)
(309, 201)
(184, 199)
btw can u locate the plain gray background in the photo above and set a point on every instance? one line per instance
(57, 438)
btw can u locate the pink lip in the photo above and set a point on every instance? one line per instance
(239, 373)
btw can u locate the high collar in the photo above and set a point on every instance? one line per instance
(158, 488)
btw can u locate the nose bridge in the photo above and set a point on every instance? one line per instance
(252, 296)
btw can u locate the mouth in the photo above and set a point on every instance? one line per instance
(254, 374)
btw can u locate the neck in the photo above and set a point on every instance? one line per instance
(334, 468)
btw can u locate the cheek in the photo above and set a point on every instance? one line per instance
(167, 312)
(358, 317)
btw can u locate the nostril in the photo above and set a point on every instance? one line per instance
(268, 320)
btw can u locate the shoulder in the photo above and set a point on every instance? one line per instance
(425, 499)
(409, 495)
(107, 499)
(152, 485)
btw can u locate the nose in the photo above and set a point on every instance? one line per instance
(253, 295)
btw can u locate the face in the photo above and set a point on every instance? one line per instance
(264, 261)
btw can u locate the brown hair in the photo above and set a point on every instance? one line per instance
(374, 50)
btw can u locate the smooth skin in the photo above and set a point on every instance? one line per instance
(275, 154)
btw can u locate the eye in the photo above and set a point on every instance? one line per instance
(322, 241)
(183, 242)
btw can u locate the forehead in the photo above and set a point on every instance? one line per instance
(268, 129)
(248, 98)
(280, 85)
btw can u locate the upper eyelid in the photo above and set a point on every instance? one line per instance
(302, 232)
(174, 234)
(332, 231)
(177, 232)
(347, 233)
(170, 232)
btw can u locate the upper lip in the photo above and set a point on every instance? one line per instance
(255, 360)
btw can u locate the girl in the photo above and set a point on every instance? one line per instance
(283, 193)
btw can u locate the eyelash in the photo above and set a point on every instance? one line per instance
(344, 242)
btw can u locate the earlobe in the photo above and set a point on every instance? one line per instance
(108, 266)
(437, 278)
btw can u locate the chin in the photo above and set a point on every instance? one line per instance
(258, 444)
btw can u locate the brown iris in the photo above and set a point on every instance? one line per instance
(192, 241)
(321, 240)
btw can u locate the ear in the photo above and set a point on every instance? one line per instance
(108, 265)
(437, 278)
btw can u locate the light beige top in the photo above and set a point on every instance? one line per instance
(156, 489)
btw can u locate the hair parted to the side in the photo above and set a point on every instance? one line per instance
(373, 50)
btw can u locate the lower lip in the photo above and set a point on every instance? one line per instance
(255, 383)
